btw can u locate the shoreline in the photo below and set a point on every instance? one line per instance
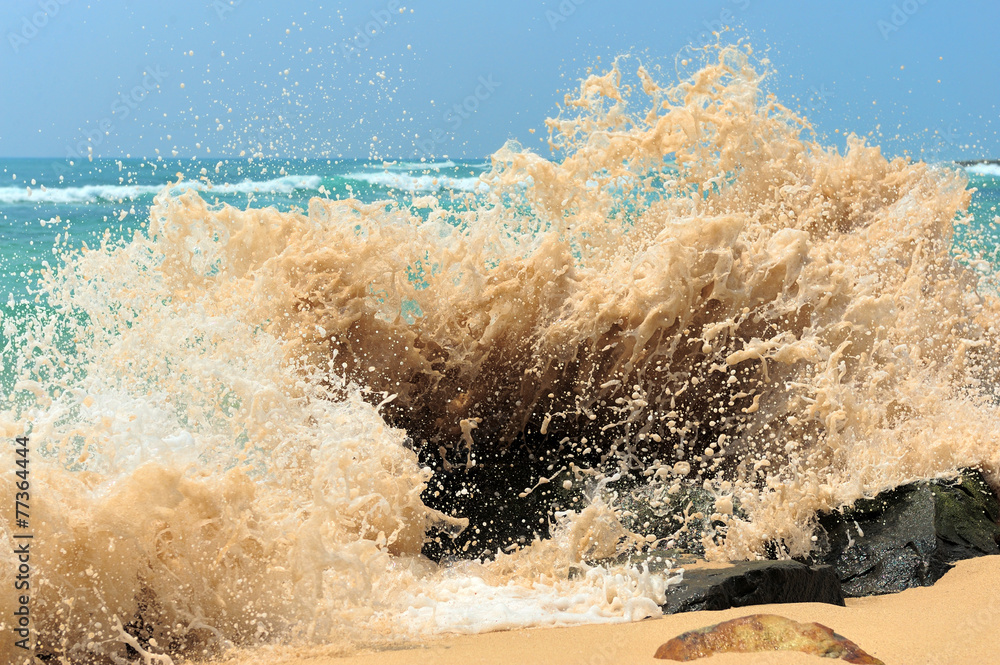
(949, 623)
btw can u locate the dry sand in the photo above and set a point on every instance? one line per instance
(955, 621)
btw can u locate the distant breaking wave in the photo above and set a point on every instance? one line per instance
(984, 169)
(90, 193)
(416, 166)
(419, 183)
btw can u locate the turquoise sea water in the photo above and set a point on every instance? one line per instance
(985, 208)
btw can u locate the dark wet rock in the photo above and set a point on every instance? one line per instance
(491, 496)
(679, 516)
(753, 583)
(910, 536)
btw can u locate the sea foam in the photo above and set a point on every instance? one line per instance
(984, 169)
(89, 193)
(419, 183)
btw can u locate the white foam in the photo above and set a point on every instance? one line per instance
(74, 194)
(91, 193)
(420, 183)
(284, 185)
(468, 604)
(984, 169)
(419, 166)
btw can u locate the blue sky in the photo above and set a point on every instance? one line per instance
(301, 78)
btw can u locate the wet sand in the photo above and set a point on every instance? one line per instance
(952, 622)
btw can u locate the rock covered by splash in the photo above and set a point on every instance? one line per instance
(689, 291)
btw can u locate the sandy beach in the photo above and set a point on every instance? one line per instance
(949, 623)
